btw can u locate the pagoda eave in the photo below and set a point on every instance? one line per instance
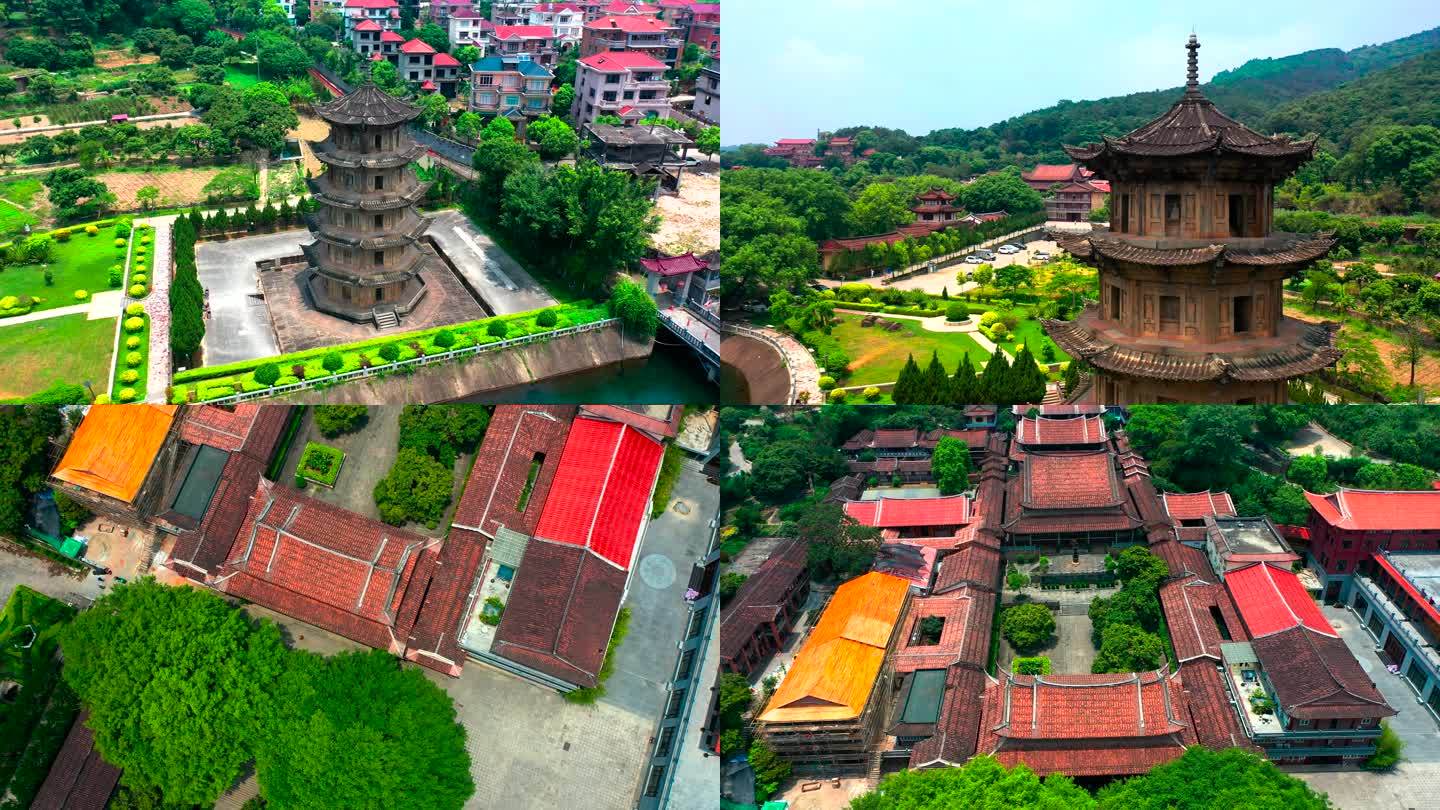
(365, 240)
(330, 156)
(366, 202)
(1297, 252)
(362, 278)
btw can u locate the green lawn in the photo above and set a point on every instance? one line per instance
(81, 262)
(241, 76)
(68, 349)
(876, 356)
(20, 190)
(13, 221)
(1031, 333)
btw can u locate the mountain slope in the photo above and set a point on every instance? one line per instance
(1408, 93)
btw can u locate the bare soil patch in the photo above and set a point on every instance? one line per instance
(690, 220)
(311, 129)
(178, 187)
(120, 59)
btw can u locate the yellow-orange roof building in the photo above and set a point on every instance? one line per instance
(114, 448)
(833, 674)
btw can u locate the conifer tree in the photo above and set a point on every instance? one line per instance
(994, 385)
(1027, 380)
(964, 387)
(907, 384)
(935, 387)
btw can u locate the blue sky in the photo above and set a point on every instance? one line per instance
(794, 66)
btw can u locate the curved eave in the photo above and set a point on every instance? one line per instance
(388, 275)
(1298, 253)
(361, 202)
(1315, 351)
(370, 241)
(1212, 146)
(351, 160)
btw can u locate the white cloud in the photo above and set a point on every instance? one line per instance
(803, 58)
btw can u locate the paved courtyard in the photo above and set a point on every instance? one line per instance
(500, 280)
(19, 567)
(1415, 783)
(1071, 652)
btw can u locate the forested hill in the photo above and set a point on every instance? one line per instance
(1408, 93)
(1248, 93)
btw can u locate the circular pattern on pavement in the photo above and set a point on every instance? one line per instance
(657, 571)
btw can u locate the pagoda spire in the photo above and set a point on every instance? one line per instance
(1192, 70)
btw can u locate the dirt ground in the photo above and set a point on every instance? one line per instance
(119, 59)
(1427, 373)
(9, 135)
(826, 797)
(177, 188)
(310, 129)
(690, 221)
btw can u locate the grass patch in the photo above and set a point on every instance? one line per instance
(241, 76)
(81, 262)
(669, 474)
(320, 463)
(214, 382)
(1032, 334)
(21, 190)
(876, 356)
(138, 386)
(277, 462)
(587, 696)
(67, 349)
(29, 640)
(13, 221)
(994, 659)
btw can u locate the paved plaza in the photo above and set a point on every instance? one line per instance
(503, 283)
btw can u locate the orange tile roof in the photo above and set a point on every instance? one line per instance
(834, 672)
(114, 447)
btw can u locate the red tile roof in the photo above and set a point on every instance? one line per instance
(367, 25)
(759, 597)
(964, 639)
(674, 265)
(199, 552)
(1183, 559)
(254, 429)
(372, 4)
(1070, 480)
(975, 438)
(1376, 510)
(976, 563)
(951, 510)
(389, 36)
(1043, 431)
(958, 728)
(1187, 603)
(434, 640)
(639, 418)
(560, 612)
(517, 433)
(79, 778)
(325, 565)
(417, 45)
(629, 23)
(1271, 599)
(1215, 722)
(1316, 677)
(605, 478)
(1052, 172)
(446, 60)
(795, 142)
(618, 61)
(1196, 505)
(1092, 760)
(524, 32)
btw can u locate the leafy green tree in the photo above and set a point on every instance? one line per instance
(908, 386)
(1027, 626)
(77, 195)
(964, 386)
(1387, 749)
(360, 730)
(337, 420)
(281, 58)
(434, 109)
(770, 770)
(934, 382)
(1206, 779)
(193, 17)
(1138, 564)
(950, 464)
(563, 100)
(259, 116)
(880, 208)
(708, 141)
(838, 546)
(981, 782)
(554, 137)
(25, 435)
(467, 55)
(1002, 191)
(1012, 277)
(467, 125)
(434, 36)
(633, 305)
(443, 431)
(1127, 648)
(993, 383)
(1288, 506)
(177, 683)
(1310, 472)
(417, 488)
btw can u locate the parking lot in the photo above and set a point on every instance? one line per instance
(945, 278)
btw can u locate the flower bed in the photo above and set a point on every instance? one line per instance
(215, 382)
(319, 463)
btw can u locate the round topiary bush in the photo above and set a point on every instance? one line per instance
(119, 243)
(444, 338)
(140, 267)
(826, 383)
(133, 358)
(127, 394)
(61, 234)
(872, 394)
(267, 373)
(139, 278)
(497, 329)
(91, 230)
(390, 352)
(956, 312)
(132, 342)
(837, 396)
(332, 362)
(82, 295)
(103, 399)
(134, 324)
(140, 250)
(136, 308)
(9, 302)
(145, 240)
(137, 290)
(546, 318)
(129, 376)
(989, 318)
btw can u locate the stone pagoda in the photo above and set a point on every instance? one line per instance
(1191, 307)
(366, 261)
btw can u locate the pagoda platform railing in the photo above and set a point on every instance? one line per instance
(415, 362)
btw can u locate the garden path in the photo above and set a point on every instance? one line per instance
(101, 305)
(157, 306)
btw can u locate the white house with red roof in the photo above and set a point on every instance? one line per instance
(384, 13)
(630, 33)
(567, 20)
(628, 84)
(432, 71)
(469, 28)
(512, 12)
(535, 41)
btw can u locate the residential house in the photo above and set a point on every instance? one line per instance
(440, 11)
(469, 28)
(627, 84)
(513, 86)
(707, 94)
(757, 622)
(705, 28)
(512, 12)
(1045, 175)
(567, 20)
(422, 65)
(368, 38)
(1073, 202)
(384, 13)
(632, 34)
(655, 152)
(537, 41)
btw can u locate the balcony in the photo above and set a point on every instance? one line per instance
(1415, 641)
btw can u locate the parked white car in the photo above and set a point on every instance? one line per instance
(1007, 249)
(974, 258)
(1040, 256)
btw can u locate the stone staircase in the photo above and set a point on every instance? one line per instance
(872, 773)
(386, 319)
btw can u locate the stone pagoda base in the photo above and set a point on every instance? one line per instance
(360, 305)
(1107, 389)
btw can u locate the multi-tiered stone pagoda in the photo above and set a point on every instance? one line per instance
(1191, 307)
(366, 258)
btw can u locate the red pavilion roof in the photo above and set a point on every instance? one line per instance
(1271, 599)
(1378, 510)
(890, 513)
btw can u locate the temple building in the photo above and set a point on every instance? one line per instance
(936, 209)
(1191, 306)
(1070, 501)
(756, 623)
(367, 260)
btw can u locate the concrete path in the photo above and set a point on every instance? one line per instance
(239, 326)
(157, 306)
(500, 280)
(20, 567)
(803, 369)
(101, 305)
(937, 323)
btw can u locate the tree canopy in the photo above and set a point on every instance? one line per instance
(950, 463)
(980, 782)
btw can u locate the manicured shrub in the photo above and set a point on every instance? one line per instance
(136, 308)
(956, 312)
(134, 324)
(137, 290)
(140, 267)
(91, 230)
(546, 318)
(129, 376)
(145, 240)
(127, 394)
(826, 383)
(837, 395)
(133, 358)
(332, 362)
(497, 329)
(103, 399)
(139, 278)
(444, 338)
(139, 250)
(117, 276)
(389, 352)
(337, 420)
(989, 318)
(267, 374)
(132, 342)
(872, 393)
(119, 243)
(122, 228)
(1027, 626)
(61, 234)
(82, 295)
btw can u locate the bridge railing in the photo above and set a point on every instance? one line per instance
(695, 342)
(757, 334)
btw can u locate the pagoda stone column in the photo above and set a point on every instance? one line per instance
(366, 260)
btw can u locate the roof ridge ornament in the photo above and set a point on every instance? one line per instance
(1192, 71)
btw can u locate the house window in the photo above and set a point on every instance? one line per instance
(667, 741)
(1114, 303)
(486, 80)
(1340, 565)
(379, 294)
(1304, 723)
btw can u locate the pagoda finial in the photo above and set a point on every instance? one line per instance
(1192, 70)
